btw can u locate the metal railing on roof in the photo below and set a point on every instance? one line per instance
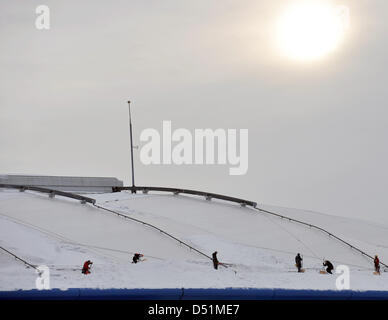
(50, 192)
(207, 195)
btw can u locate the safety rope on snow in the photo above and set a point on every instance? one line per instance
(225, 265)
(18, 258)
(296, 238)
(69, 241)
(154, 227)
(320, 229)
(55, 235)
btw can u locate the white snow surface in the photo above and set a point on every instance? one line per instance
(259, 248)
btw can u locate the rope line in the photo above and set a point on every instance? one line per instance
(295, 237)
(320, 229)
(58, 236)
(225, 265)
(154, 227)
(18, 258)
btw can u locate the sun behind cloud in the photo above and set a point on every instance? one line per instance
(309, 31)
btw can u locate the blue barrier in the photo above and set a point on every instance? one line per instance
(192, 294)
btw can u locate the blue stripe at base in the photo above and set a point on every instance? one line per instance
(192, 294)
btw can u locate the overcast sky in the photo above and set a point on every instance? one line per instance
(317, 130)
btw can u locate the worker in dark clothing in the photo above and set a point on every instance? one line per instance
(298, 262)
(86, 267)
(328, 265)
(377, 264)
(215, 260)
(136, 257)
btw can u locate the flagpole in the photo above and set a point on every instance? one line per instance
(131, 146)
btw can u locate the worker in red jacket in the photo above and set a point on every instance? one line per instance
(377, 264)
(86, 267)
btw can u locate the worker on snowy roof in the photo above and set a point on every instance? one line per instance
(377, 264)
(298, 262)
(328, 265)
(215, 260)
(136, 257)
(86, 267)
